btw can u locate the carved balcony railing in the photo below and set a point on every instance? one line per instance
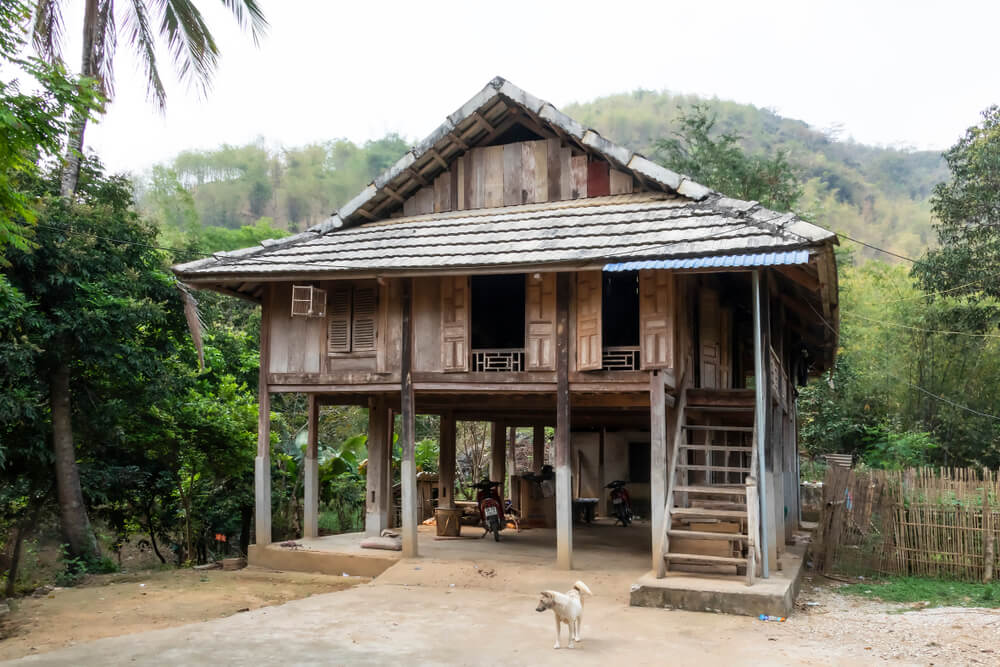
(620, 358)
(498, 361)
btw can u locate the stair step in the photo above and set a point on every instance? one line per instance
(720, 490)
(716, 448)
(718, 504)
(707, 513)
(747, 409)
(706, 427)
(714, 560)
(709, 468)
(706, 535)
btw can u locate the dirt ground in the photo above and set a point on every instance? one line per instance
(436, 612)
(120, 604)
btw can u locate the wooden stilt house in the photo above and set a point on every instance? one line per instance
(519, 268)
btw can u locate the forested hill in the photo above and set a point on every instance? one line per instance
(878, 194)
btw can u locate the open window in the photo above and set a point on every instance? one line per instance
(620, 320)
(497, 326)
(353, 316)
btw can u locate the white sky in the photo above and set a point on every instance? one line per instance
(909, 73)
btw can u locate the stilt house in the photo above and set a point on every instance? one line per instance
(519, 268)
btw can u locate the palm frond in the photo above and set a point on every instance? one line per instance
(48, 29)
(140, 36)
(248, 15)
(190, 42)
(194, 322)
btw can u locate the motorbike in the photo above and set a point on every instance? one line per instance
(490, 507)
(621, 502)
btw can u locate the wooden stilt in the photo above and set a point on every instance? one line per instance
(564, 499)
(408, 464)
(310, 503)
(446, 462)
(498, 455)
(538, 448)
(262, 464)
(657, 467)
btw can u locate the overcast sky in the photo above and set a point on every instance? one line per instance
(907, 73)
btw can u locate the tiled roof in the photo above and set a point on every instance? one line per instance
(602, 230)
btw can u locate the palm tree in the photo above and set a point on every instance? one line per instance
(189, 42)
(194, 54)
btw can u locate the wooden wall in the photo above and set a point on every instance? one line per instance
(525, 172)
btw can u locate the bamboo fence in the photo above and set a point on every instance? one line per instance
(921, 522)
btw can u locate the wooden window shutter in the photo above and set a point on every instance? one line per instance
(364, 318)
(540, 322)
(454, 323)
(709, 346)
(308, 301)
(588, 321)
(656, 318)
(338, 334)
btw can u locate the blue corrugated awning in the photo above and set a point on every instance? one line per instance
(716, 261)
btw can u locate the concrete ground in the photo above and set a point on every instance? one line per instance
(428, 612)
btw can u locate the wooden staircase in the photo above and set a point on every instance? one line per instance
(711, 514)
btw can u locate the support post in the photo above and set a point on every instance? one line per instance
(658, 467)
(498, 455)
(511, 462)
(408, 464)
(262, 464)
(538, 448)
(446, 462)
(310, 502)
(377, 474)
(602, 498)
(760, 430)
(564, 498)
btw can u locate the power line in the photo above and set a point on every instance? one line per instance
(900, 325)
(875, 247)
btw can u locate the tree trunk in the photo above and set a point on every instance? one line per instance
(94, 24)
(26, 526)
(152, 536)
(72, 511)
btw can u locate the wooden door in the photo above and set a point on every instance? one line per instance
(588, 321)
(656, 318)
(710, 349)
(540, 322)
(455, 323)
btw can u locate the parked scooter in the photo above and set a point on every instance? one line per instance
(621, 502)
(490, 507)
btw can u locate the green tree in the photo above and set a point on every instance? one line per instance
(193, 50)
(967, 209)
(718, 161)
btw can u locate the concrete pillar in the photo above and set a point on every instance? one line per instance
(310, 527)
(564, 493)
(657, 467)
(408, 463)
(377, 488)
(446, 462)
(498, 456)
(538, 448)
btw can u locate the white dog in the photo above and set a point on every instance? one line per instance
(568, 608)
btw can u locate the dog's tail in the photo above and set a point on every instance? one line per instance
(582, 588)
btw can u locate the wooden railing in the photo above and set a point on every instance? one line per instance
(498, 361)
(620, 358)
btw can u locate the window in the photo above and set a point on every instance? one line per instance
(620, 321)
(352, 322)
(308, 301)
(497, 311)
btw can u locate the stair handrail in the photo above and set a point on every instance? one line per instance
(671, 477)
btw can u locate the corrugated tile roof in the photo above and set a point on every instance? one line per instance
(716, 261)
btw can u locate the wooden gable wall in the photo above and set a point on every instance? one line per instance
(524, 172)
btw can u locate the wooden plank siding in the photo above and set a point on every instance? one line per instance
(525, 172)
